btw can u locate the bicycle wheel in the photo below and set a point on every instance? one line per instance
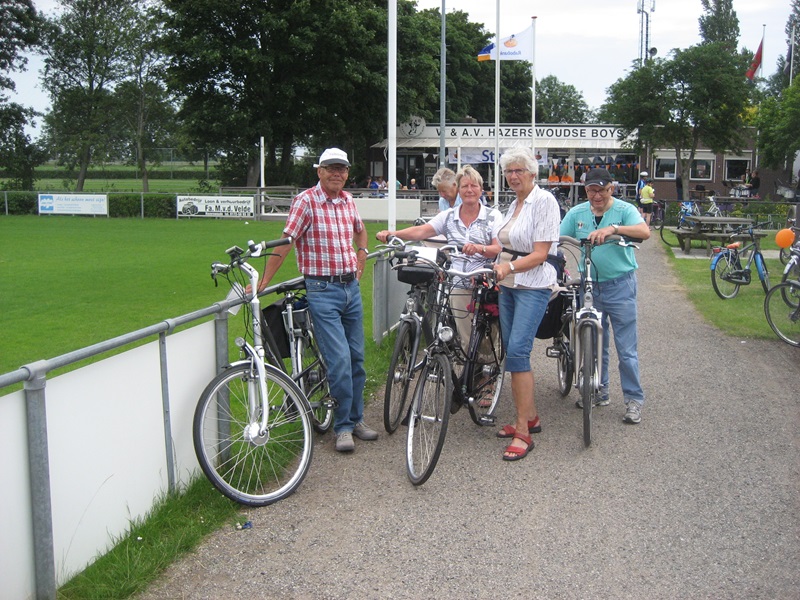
(588, 381)
(782, 309)
(485, 370)
(249, 466)
(427, 424)
(313, 381)
(763, 272)
(566, 366)
(722, 269)
(401, 367)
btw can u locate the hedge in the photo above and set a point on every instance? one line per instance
(177, 173)
(159, 206)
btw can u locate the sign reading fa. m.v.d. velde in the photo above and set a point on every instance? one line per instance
(215, 206)
(73, 204)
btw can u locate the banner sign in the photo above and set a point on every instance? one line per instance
(73, 204)
(216, 206)
(474, 156)
(586, 133)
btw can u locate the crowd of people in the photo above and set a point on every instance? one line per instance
(330, 243)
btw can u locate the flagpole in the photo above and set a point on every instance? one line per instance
(497, 107)
(533, 92)
(763, 39)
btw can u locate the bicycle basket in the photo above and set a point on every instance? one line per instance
(272, 326)
(419, 273)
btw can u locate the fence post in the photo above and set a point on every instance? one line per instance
(41, 499)
(141, 202)
(168, 447)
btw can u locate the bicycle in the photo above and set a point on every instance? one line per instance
(578, 345)
(414, 327)
(252, 427)
(727, 271)
(787, 240)
(439, 391)
(291, 318)
(782, 309)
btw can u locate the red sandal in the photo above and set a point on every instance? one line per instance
(508, 431)
(518, 453)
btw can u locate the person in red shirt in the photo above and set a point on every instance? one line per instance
(323, 223)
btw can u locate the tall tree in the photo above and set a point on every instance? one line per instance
(719, 23)
(697, 96)
(145, 111)
(19, 32)
(86, 48)
(557, 102)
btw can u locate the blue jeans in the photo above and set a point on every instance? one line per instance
(521, 311)
(338, 318)
(617, 300)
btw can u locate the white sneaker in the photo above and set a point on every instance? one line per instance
(344, 442)
(633, 414)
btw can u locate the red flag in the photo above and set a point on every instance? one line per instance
(756, 64)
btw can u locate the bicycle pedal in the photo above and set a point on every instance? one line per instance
(487, 421)
(552, 352)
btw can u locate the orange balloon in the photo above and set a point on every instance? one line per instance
(784, 238)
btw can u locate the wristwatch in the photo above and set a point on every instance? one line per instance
(616, 228)
(364, 249)
(511, 266)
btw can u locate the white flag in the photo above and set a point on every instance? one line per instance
(514, 47)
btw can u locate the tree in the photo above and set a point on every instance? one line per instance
(19, 32)
(779, 129)
(86, 48)
(557, 102)
(145, 112)
(697, 96)
(290, 71)
(719, 23)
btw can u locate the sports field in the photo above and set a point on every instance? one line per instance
(69, 282)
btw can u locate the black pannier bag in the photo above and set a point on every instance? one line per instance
(273, 329)
(551, 321)
(420, 273)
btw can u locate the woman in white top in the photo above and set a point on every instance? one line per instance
(527, 233)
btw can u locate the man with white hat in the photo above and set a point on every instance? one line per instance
(323, 223)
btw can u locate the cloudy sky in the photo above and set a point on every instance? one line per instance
(591, 43)
(586, 43)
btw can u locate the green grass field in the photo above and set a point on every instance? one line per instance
(69, 282)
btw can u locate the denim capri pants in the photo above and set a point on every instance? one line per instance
(521, 311)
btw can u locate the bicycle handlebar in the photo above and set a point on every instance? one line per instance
(622, 240)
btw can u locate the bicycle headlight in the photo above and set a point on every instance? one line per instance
(410, 305)
(239, 341)
(445, 333)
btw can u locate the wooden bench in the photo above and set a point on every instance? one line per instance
(686, 236)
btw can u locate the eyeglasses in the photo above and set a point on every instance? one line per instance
(515, 171)
(593, 189)
(336, 168)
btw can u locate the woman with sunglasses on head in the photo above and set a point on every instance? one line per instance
(528, 233)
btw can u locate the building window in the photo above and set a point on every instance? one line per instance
(665, 168)
(702, 170)
(736, 168)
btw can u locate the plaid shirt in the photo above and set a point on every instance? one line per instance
(323, 230)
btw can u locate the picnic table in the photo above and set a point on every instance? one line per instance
(712, 230)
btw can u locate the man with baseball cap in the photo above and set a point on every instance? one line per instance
(615, 280)
(323, 222)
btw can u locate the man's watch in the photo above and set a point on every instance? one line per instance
(511, 266)
(364, 249)
(616, 228)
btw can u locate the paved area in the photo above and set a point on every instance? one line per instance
(702, 500)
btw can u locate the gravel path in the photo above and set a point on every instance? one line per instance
(702, 500)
